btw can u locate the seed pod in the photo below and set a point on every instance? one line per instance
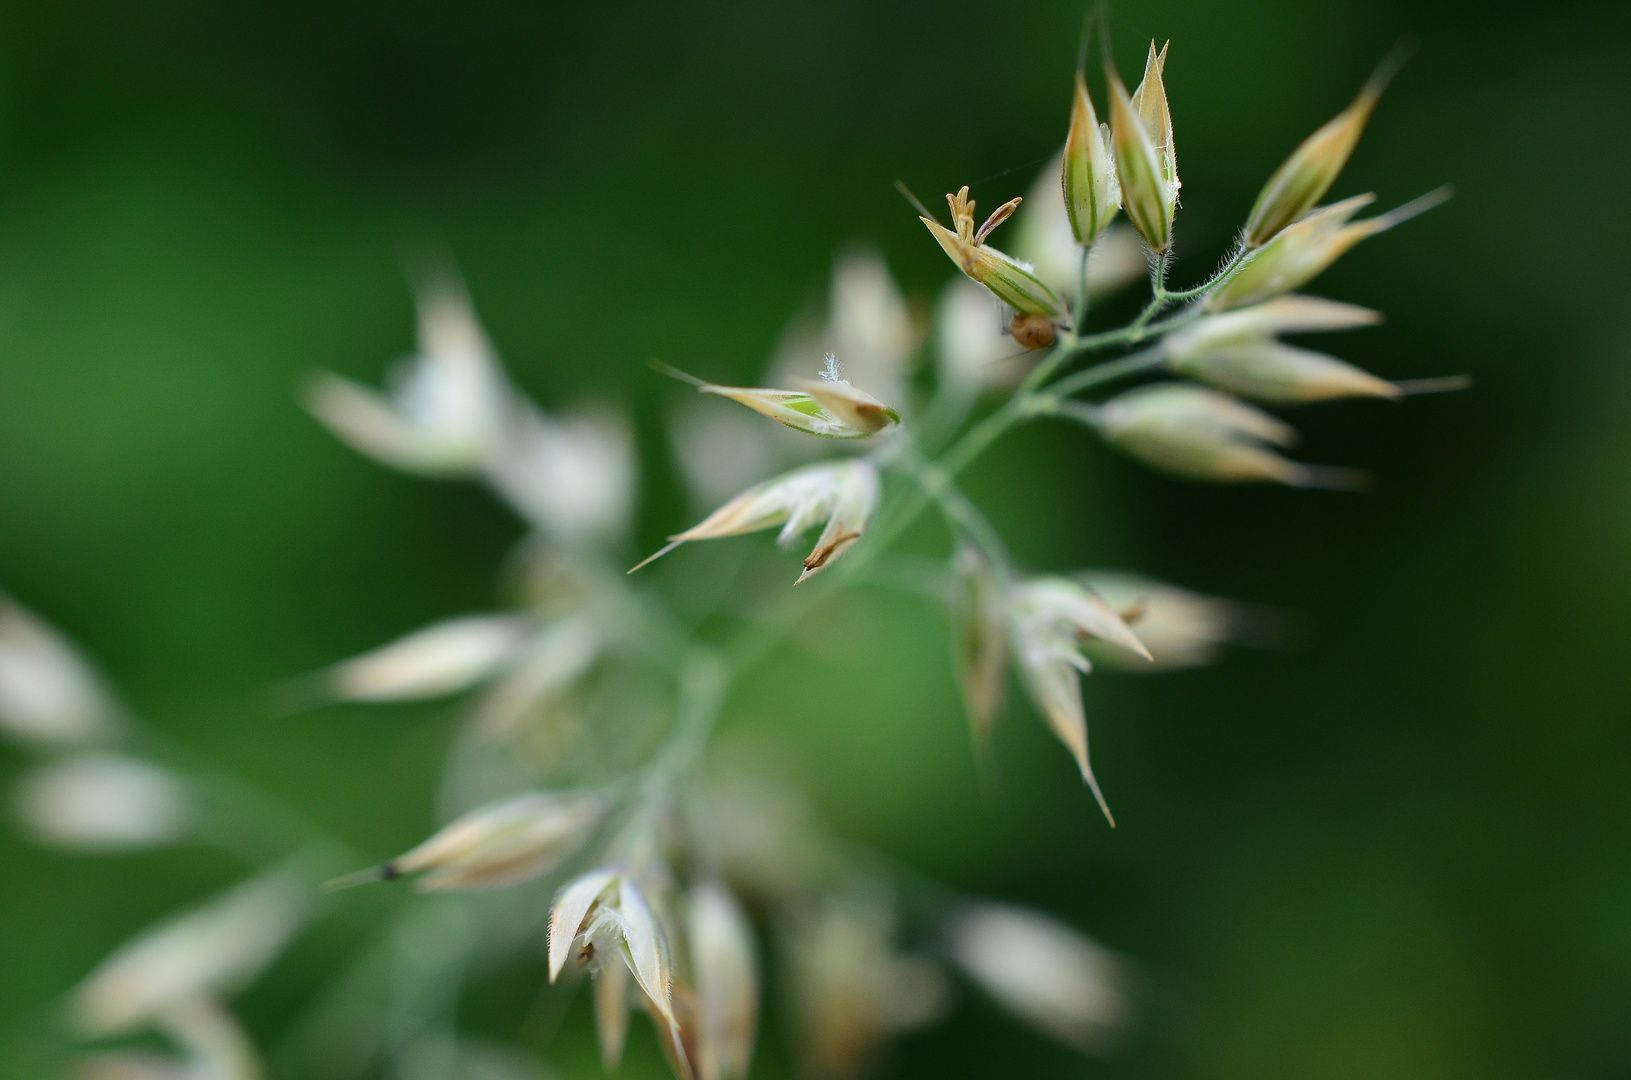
(1050, 617)
(726, 965)
(214, 949)
(49, 692)
(1088, 174)
(980, 634)
(570, 912)
(844, 492)
(1044, 972)
(1146, 162)
(1301, 251)
(102, 802)
(1308, 173)
(1200, 434)
(1011, 281)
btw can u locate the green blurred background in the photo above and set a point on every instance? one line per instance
(1401, 848)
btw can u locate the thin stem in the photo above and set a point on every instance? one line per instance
(1224, 273)
(1099, 374)
(961, 515)
(703, 681)
(1081, 290)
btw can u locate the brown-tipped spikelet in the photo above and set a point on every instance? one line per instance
(1308, 173)
(1146, 162)
(1051, 617)
(1088, 173)
(828, 407)
(1182, 629)
(607, 912)
(843, 492)
(1011, 281)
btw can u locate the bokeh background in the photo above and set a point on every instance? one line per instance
(1399, 847)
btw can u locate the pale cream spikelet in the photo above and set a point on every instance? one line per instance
(845, 493)
(1300, 182)
(103, 802)
(1237, 351)
(440, 659)
(573, 476)
(1087, 174)
(49, 692)
(1302, 250)
(543, 669)
(1146, 161)
(1180, 628)
(1050, 618)
(980, 639)
(852, 989)
(212, 1045)
(1196, 433)
(445, 411)
(606, 911)
(503, 843)
(1049, 975)
(725, 964)
(1010, 280)
(612, 986)
(870, 323)
(217, 948)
